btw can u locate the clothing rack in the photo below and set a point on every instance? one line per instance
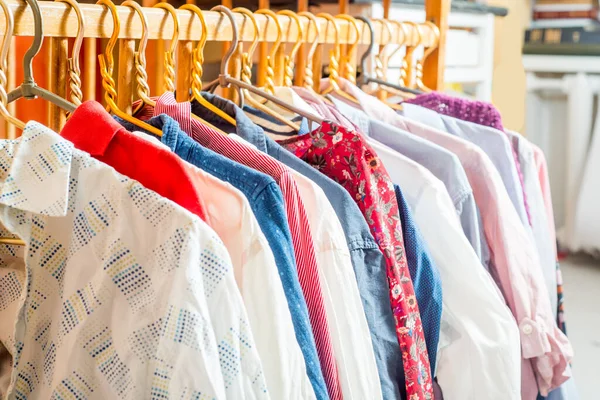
(60, 23)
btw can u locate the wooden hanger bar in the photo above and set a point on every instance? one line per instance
(61, 21)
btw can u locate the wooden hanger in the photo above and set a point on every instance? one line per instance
(29, 89)
(73, 61)
(107, 64)
(246, 75)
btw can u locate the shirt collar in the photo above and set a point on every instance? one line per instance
(244, 125)
(91, 128)
(38, 162)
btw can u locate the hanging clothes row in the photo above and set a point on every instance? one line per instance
(287, 242)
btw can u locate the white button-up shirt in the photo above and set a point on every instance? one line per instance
(350, 336)
(127, 295)
(479, 355)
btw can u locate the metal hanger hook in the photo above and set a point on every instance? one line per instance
(38, 40)
(7, 36)
(234, 43)
(369, 52)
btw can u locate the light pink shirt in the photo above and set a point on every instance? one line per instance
(540, 162)
(516, 267)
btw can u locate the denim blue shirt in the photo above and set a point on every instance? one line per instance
(367, 260)
(267, 203)
(425, 277)
(439, 161)
(492, 141)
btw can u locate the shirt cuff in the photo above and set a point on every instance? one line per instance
(534, 338)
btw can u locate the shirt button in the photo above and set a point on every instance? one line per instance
(527, 329)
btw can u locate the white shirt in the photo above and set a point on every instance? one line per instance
(128, 295)
(230, 215)
(479, 354)
(350, 336)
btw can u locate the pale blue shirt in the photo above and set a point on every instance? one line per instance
(492, 141)
(443, 164)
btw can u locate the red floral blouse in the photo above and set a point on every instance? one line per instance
(345, 157)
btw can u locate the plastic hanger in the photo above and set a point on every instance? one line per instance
(8, 33)
(139, 58)
(408, 66)
(308, 82)
(427, 52)
(401, 39)
(107, 64)
(10, 22)
(169, 61)
(225, 79)
(270, 71)
(365, 78)
(197, 61)
(334, 55)
(29, 89)
(246, 74)
(73, 61)
(349, 69)
(289, 60)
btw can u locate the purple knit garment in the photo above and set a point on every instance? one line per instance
(478, 112)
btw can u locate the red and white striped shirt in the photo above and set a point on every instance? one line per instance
(297, 218)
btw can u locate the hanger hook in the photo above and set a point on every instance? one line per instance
(349, 70)
(8, 33)
(369, 51)
(290, 60)
(38, 39)
(269, 13)
(308, 73)
(198, 53)
(107, 61)
(140, 56)
(247, 13)
(246, 74)
(269, 80)
(6, 39)
(436, 33)
(234, 43)
(400, 38)
(73, 62)
(170, 54)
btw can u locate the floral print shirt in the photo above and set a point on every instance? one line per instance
(345, 157)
